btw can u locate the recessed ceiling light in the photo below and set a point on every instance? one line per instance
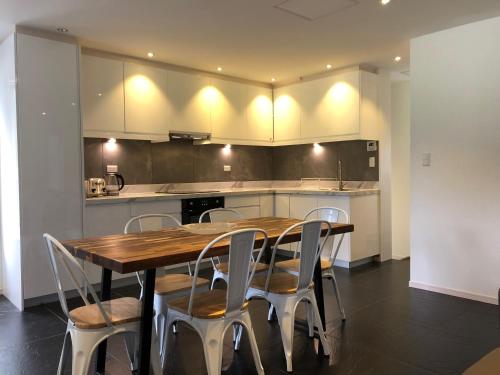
(150, 54)
(273, 79)
(385, 2)
(62, 29)
(219, 69)
(397, 58)
(328, 66)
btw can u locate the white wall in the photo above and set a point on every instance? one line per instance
(455, 203)
(9, 177)
(400, 176)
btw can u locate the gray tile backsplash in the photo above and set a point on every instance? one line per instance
(143, 162)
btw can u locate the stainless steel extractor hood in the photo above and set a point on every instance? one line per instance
(197, 138)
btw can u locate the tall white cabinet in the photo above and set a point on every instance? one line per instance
(49, 162)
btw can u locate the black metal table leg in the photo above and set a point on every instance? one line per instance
(146, 322)
(318, 292)
(105, 295)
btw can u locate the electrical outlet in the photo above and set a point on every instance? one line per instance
(227, 168)
(371, 146)
(112, 168)
(371, 161)
(426, 159)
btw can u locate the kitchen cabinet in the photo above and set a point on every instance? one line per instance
(259, 112)
(363, 211)
(102, 98)
(43, 153)
(330, 106)
(342, 106)
(190, 97)
(241, 113)
(287, 114)
(228, 110)
(247, 205)
(147, 106)
(266, 202)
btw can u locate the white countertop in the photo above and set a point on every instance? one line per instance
(152, 196)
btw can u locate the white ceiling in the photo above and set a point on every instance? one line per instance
(250, 38)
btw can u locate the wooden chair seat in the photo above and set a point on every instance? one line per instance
(224, 267)
(120, 311)
(173, 283)
(292, 265)
(280, 283)
(488, 365)
(206, 305)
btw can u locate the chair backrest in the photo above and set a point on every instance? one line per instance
(332, 215)
(146, 222)
(310, 247)
(218, 215)
(63, 262)
(241, 268)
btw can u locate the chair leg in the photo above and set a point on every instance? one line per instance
(247, 321)
(82, 353)
(170, 321)
(319, 325)
(155, 354)
(64, 354)
(270, 313)
(213, 346)
(310, 318)
(285, 310)
(131, 344)
(337, 296)
(237, 332)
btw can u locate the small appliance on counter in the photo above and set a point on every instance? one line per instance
(95, 187)
(114, 183)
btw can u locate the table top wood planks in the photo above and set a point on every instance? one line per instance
(125, 253)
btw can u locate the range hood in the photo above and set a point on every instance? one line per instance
(197, 138)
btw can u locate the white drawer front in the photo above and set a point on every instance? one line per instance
(241, 201)
(159, 207)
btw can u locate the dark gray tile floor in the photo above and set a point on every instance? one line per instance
(390, 329)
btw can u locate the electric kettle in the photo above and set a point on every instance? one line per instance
(114, 183)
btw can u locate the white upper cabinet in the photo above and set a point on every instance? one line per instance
(330, 106)
(190, 99)
(287, 113)
(241, 113)
(102, 94)
(228, 110)
(147, 106)
(342, 106)
(259, 114)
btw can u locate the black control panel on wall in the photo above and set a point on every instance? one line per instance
(192, 208)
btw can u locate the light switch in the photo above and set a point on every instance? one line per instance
(371, 161)
(426, 159)
(227, 168)
(111, 168)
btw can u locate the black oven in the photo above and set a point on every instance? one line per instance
(194, 207)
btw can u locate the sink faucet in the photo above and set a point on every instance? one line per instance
(339, 176)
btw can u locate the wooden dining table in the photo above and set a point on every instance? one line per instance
(147, 251)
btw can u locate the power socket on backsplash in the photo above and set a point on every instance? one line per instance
(112, 168)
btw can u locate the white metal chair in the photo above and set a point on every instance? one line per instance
(211, 313)
(285, 290)
(332, 215)
(218, 215)
(166, 285)
(91, 324)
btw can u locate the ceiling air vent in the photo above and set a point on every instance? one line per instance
(313, 9)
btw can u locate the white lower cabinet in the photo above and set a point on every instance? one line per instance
(363, 212)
